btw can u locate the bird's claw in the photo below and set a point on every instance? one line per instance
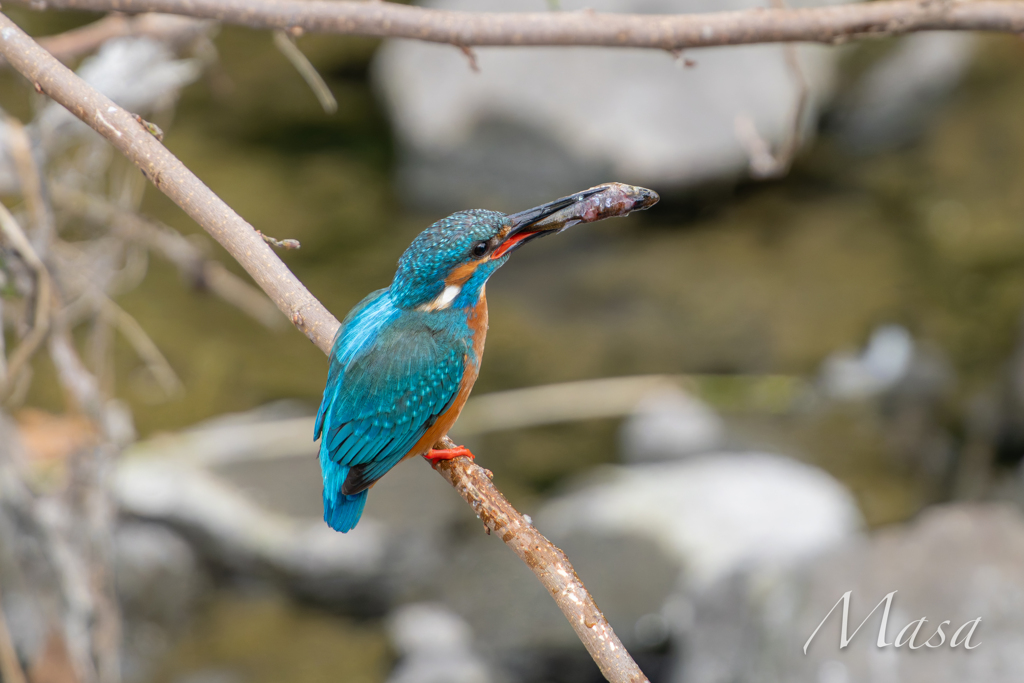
(435, 455)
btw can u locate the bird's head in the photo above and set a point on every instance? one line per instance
(449, 263)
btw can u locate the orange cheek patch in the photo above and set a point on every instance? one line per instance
(460, 274)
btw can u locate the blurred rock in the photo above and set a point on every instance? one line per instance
(714, 513)
(884, 362)
(513, 616)
(159, 481)
(670, 424)
(955, 563)
(159, 576)
(640, 537)
(643, 538)
(536, 123)
(246, 490)
(893, 102)
(160, 582)
(436, 647)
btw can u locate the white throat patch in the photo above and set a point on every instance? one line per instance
(443, 300)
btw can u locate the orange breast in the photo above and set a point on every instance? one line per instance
(444, 422)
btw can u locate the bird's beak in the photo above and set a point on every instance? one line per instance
(597, 203)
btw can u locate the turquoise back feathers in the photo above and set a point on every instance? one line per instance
(399, 360)
(406, 357)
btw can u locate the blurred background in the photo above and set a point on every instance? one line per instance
(800, 374)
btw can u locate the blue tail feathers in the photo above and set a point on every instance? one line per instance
(342, 512)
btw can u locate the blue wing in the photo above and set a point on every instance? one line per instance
(392, 374)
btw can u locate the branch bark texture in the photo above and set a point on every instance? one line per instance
(76, 42)
(173, 178)
(667, 32)
(547, 561)
(164, 170)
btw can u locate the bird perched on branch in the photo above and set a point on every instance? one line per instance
(406, 357)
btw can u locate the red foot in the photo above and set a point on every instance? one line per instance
(436, 454)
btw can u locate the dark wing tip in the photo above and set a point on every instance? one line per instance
(358, 479)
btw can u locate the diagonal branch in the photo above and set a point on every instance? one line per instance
(171, 176)
(673, 32)
(238, 237)
(79, 41)
(547, 561)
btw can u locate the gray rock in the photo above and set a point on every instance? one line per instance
(714, 513)
(436, 647)
(640, 537)
(670, 424)
(511, 613)
(885, 360)
(955, 564)
(159, 576)
(538, 122)
(246, 490)
(160, 582)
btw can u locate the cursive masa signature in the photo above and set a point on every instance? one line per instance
(908, 635)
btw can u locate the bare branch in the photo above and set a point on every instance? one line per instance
(547, 562)
(238, 237)
(171, 177)
(763, 163)
(21, 355)
(95, 623)
(194, 265)
(666, 32)
(85, 39)
(144, 346)
(31, 183)
(285, 43)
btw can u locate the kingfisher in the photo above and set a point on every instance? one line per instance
(406, 357)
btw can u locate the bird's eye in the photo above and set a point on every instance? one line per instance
(479, 249)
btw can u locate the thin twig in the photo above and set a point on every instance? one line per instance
(765, 164)
(286, 244)
(170, 176)
(90, 492)
(143, 344)
(285, 44)
(792, 144)
(830, 25)
(194, 265)
(10, 667)
(470, 54)
(31, 184)
(23, 353)
(79, 41)
(3, 345)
